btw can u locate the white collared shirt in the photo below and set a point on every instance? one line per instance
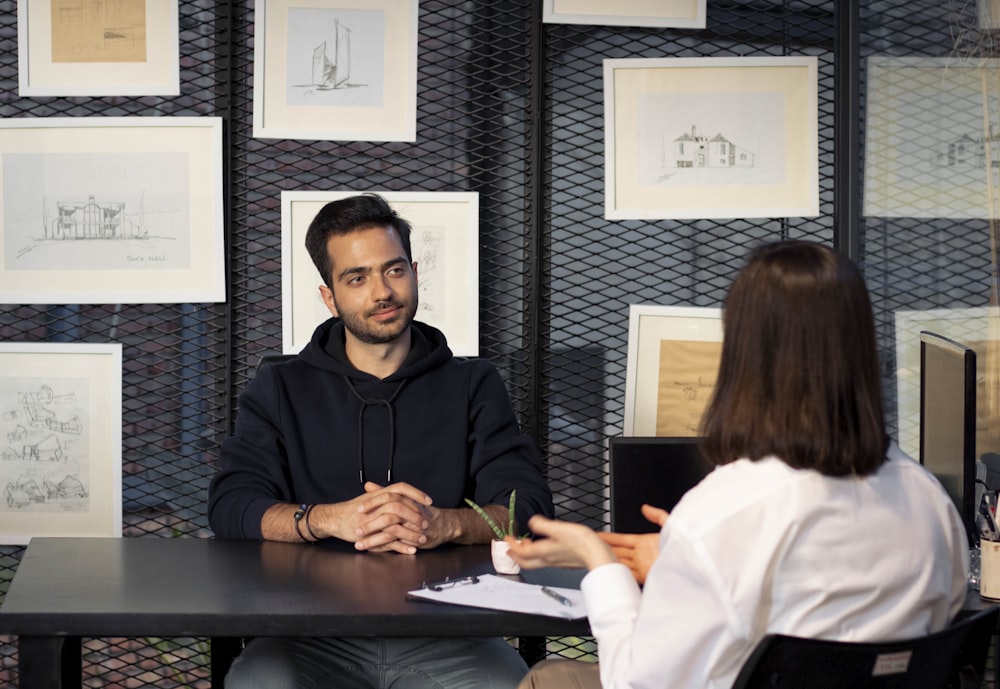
(760, 547)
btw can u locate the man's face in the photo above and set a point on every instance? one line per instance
(374, 285)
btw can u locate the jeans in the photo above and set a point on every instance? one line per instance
(376, 663)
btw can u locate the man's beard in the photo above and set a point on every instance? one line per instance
(379, 333)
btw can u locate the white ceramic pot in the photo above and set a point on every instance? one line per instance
(502, 561)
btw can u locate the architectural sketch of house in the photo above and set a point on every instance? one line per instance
(92, 220)
(695, 150)
(968, 151)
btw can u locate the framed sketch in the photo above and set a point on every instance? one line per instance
(111, 210)
(684, 14)
(971, 326)
(672, 366)
(60, 417)
(445, 247)
(335, 70)
(97, 48)
(711, 137)
(988, 14)
(915, 168)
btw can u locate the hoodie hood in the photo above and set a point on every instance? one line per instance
(428, 350)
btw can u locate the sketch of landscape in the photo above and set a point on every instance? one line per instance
(98, 30)
(44, 460)
(335, 57)
(104, 211)
(711, 138)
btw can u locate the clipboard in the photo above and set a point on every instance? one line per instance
(500, 593)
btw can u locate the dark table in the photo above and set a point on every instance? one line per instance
(68, 588)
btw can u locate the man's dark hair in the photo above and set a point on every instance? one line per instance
(348, 215)
(799, 376)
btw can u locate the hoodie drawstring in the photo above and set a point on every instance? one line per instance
(368, 402)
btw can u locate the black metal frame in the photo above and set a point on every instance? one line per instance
(513, 109)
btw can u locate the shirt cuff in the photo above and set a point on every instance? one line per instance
(608, 588)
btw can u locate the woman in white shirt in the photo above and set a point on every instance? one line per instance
(810, 524)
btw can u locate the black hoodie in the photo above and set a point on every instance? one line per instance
(313, 429)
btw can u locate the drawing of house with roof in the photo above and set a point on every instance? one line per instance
(691, 150)
(92, 220)
(969, 151)
(22, 492)
(69, 487)
(20, 433)
(46, 450)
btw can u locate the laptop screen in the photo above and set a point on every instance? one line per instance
(655, 471)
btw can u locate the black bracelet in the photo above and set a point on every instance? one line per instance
(308, 526)
(299, 513)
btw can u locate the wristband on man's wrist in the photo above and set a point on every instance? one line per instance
(299, 514)
(309, 528)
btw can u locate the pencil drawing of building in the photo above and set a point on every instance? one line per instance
(92, 220)
(333, 73)
(970, 151)
(697, 150)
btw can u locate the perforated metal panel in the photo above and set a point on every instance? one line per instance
(514, 110)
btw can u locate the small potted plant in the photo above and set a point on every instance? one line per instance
(502, 561)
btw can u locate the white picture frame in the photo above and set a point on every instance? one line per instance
(971, 326)
(299, 95)
(914, 168)
(60, 415)
(445, 246)
(79, 48)
(682, 14)
(111, 210)
(672, 364)
(690, 138)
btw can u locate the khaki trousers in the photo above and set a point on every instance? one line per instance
(562, 674)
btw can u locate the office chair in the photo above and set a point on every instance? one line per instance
(953, 658)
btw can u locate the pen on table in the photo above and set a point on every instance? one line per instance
(558, 596)
(991, 532)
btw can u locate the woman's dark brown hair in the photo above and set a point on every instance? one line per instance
(799, 376)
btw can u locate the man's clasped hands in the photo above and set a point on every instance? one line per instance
(401, 518)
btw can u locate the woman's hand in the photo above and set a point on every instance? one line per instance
(638, 551)
(564, 544)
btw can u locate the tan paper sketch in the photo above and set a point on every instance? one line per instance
(98, 30)
(687, 374)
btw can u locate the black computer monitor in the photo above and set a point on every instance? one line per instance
(948, 419)
(651, 470)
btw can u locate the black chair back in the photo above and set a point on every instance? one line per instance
(952, 658)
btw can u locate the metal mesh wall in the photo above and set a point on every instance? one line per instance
(509, 108)
(929, 85)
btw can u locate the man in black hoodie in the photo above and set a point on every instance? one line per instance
(373, 435)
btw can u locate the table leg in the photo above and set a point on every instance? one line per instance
(49, 662)
(531, 648)
(224, 650)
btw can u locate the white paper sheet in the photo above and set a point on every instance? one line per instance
(499, 593)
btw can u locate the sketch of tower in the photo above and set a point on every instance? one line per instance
(333, 74)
